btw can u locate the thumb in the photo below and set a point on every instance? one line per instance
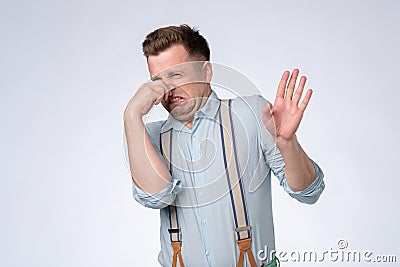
(268, 119)
(267, 112)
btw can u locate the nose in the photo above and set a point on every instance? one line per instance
(170, 83)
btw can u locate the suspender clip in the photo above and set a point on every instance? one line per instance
(174, 230)
(243, 228)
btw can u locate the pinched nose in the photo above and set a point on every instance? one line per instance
(168, 93)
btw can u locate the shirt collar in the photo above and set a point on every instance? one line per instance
(209, 110)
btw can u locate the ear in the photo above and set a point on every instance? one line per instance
(207, 71)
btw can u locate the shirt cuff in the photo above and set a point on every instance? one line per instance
(160, 199)
(310, 194)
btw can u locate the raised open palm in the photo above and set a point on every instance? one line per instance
(283, 119)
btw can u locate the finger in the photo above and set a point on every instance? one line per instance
(292, 84)
(167, 90)
(158, 101)
(306, 100)
(160, 90)
(162, 87)
(282, 85)
(161, 97)
(299, 91)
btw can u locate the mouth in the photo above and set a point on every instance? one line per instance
(175, 101)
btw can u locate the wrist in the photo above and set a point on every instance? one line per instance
(132, 117)
(285, 144)
(132, 111)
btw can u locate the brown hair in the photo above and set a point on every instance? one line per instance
(163, 38)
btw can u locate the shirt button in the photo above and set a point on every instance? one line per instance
(207, 253)
(203, 222)
(200, 194)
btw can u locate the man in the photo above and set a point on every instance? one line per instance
(189, 179)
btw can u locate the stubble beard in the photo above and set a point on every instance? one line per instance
(185, 111)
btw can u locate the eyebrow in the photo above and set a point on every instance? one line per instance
(154, 78)
(171, 72)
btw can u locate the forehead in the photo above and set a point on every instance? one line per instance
(174, 55)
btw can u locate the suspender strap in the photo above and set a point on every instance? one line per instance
(245, 246)
(235, 183)
(176, 246)
(174, 229)
(166, 151)
(238, 200)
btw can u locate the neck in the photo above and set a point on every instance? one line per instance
(189, 124)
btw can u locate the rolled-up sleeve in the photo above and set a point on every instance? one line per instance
(168, 194)
(275, 161)
(160, 199)
(310, 194)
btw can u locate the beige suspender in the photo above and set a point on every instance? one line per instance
(237, 196)
(174, 230)
(232, 172)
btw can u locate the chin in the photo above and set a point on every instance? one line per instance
(183, 115)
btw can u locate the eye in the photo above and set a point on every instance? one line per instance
(176, 75)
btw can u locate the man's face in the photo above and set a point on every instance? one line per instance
(187, 81)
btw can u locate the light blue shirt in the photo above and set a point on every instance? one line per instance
(199, 187)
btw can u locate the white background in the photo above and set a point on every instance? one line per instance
(68, 68)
